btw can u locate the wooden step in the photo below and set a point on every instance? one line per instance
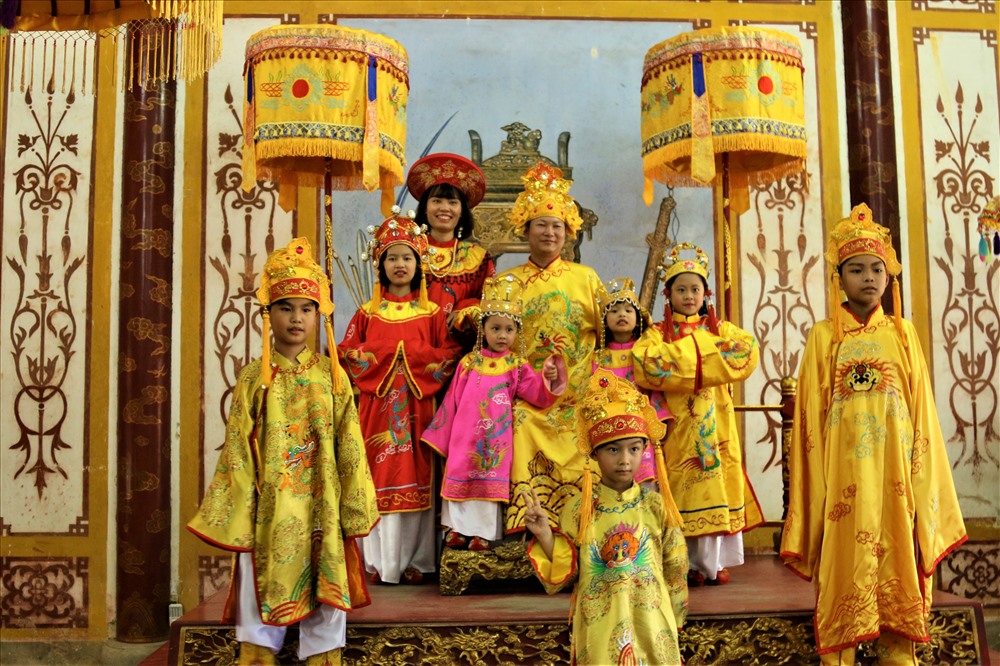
(763, 615)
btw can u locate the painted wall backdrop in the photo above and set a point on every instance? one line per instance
(483, 74)
(554, 72)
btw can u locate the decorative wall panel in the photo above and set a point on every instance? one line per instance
(43, 593)
(781, 273)
(959, 147)
(44, 314)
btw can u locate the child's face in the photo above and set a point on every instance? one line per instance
(499, 332)
(621, 319)
(619, 461)
(864, 280)
(400, 265)
(293, 320)
(687, 294)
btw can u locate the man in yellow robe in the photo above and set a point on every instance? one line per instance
(872, 505)
(559, 317)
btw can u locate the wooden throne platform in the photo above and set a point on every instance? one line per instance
(763, 616)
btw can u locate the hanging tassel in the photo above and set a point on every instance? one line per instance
(835, 314)
(984, 249)
(668, 319)
(334, 361)
(713, 321)
(674, 518)
(265, 357)
(897, 309)
(376, 301)
(586, 504)
(424, 301)
(996, 244)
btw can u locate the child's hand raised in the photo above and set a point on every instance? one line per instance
(536, 519)
(550, 372)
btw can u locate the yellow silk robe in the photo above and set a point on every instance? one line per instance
(632, 591)
(294, 490)
(872, 506)
(559, 317)
(703, 455)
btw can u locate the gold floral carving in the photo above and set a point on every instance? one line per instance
(508, 561)
(493, 644)
(711, 640)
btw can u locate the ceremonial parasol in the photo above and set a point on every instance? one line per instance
(723, 106)
(180, 39)
(325, 107)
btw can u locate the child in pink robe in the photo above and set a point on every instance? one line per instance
(624, 322)
(473, 427)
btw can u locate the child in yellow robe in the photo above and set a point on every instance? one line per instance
(872, 506)
(693, 362)
(292, 491)
(622, 540)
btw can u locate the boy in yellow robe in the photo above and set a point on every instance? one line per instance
(292, 490)
(623, 540)
(872, 506)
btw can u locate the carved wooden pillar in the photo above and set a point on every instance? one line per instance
(871, 139)
(144, 357)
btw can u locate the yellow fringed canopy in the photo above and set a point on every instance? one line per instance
(324, 96)
(179, 39)
(734, 90)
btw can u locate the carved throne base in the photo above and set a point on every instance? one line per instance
(506, 561)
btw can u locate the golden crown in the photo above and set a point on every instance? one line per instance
(859, 234)
(613, 408)
(620, 290)
(502, 296)
(546, 194)
(291, 272)
(673, 265)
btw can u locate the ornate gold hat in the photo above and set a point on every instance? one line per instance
(852, 236)
(546, 194)
(619, 290)
(858, 234)
(673, 265)
(291, 272)
(502, 296)
(612, 408)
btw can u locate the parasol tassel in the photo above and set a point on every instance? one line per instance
(702, 151)
(369, 154)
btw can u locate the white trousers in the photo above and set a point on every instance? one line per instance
(711, 554)
(401, 541)
(474, 518)
(324, 630)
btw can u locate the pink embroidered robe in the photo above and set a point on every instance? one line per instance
(473, 427)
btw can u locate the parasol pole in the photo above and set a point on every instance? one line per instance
(727, 243)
